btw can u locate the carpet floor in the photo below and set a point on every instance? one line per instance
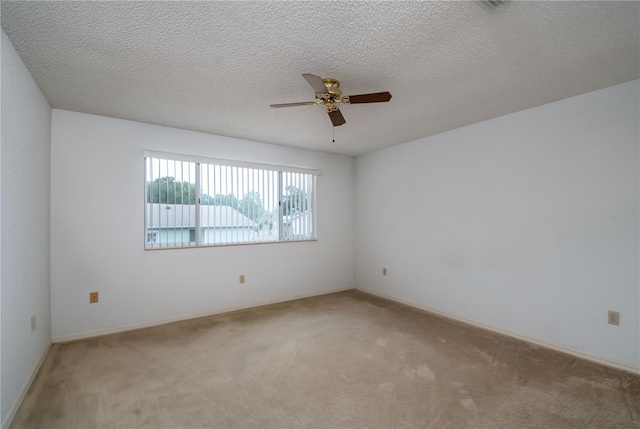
(340, 360)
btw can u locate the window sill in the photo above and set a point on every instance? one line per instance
(205, 246)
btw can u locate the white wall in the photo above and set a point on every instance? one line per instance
(526, 223)
(97, 234)
(24, 215)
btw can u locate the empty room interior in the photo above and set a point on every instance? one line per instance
(320, 214)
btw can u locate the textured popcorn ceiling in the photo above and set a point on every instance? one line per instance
(216, 66)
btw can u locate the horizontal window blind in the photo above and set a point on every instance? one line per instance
(194, 201)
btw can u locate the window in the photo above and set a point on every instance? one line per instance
(192, 201)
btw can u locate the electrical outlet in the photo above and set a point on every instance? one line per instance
(241, 278)
(384, 271)
(614, 318)
(33, 323)
(93, 297)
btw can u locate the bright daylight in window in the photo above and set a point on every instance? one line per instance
(192, 201)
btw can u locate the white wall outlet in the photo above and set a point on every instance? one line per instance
(241, 278)
(33, 323)
(614, 318)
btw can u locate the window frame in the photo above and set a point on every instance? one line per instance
(280, 170)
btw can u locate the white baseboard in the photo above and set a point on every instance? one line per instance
(23, 392)
(134, 326)
(558, 347)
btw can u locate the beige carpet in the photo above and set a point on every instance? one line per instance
(339, 360)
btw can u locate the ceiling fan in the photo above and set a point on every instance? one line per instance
(328, 94)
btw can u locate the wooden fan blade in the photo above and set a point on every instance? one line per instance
(336, 118)
(304, 103)
(316, 83)
(376, 97)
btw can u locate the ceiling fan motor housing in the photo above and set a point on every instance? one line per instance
(332, 86)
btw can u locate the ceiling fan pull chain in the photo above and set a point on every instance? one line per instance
(334, 133)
